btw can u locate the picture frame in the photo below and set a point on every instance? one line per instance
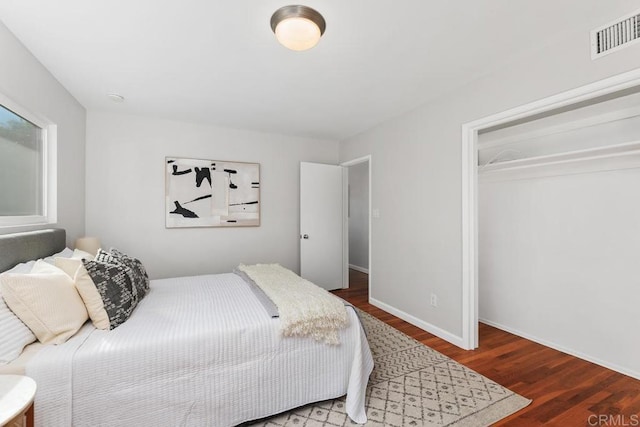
(211, 193)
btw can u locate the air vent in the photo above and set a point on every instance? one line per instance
(616, 35)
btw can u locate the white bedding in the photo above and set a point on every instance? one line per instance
(197, 351)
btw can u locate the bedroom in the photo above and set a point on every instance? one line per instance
(109, 154)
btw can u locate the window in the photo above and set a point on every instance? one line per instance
(27, 167)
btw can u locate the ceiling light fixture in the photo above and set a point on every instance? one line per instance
(115, 97)
(298, 27)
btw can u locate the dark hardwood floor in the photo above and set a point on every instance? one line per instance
(566, 391)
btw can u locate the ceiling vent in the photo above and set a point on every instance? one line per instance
(616, 35)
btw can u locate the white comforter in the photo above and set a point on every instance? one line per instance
(197, 351)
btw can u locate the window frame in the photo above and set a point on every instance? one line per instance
(49, 169)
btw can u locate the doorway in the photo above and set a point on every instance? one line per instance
(326, 206)
(358, 224)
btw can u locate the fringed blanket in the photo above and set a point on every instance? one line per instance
(305, 309)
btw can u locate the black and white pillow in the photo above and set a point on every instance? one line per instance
(104, 256)
(115, 284)
(141, 278)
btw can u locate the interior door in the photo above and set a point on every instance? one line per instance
(321, 224)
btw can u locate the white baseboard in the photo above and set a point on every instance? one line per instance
(360, 269)
(432, 329)
(564, 349)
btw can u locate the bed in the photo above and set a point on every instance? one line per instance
(196, 351)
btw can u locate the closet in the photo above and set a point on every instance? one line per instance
(559, 229)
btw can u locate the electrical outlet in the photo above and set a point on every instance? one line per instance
(434, 300)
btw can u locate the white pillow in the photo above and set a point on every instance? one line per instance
(23, 267)
(79, 254)
(15, 334)
(86, 288)
(46, 300)
(65, 253)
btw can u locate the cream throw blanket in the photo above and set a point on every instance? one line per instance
(305, 309)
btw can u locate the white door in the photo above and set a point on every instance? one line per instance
(321, 224)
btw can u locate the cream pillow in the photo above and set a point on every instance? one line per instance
(46, 300)
(77, 253)
(86, 288)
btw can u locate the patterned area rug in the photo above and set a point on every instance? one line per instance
(412, 385)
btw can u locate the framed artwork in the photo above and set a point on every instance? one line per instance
(211, 193)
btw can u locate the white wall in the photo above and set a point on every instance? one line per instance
(558, 262)
(25, 81)
(359, 215)
(125, 192)
(416, 242)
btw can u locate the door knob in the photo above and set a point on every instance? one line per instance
(306, 236)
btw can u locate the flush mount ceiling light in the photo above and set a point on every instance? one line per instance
(298, 27)
(115, 97)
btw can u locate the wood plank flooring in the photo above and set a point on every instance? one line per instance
(566, 391)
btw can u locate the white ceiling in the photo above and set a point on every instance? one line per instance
(217, 61)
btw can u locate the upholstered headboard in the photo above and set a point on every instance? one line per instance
(20, 247)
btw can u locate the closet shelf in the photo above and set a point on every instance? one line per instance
(590, 154)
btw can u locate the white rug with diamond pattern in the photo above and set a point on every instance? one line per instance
(412, 385)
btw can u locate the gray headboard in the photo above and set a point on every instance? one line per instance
(20, 247)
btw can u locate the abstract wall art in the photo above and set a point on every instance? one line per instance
(211, 193)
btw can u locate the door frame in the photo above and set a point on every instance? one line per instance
(345, 234)
(469, 168)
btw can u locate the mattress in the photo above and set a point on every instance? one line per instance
(197, 351)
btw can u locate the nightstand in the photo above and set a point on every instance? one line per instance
(16, 398)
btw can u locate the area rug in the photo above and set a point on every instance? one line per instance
(411, 385)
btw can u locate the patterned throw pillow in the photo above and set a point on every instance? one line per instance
(115, 284)
(104, 256)
(140, 276)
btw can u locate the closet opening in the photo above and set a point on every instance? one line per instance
(550, 222)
